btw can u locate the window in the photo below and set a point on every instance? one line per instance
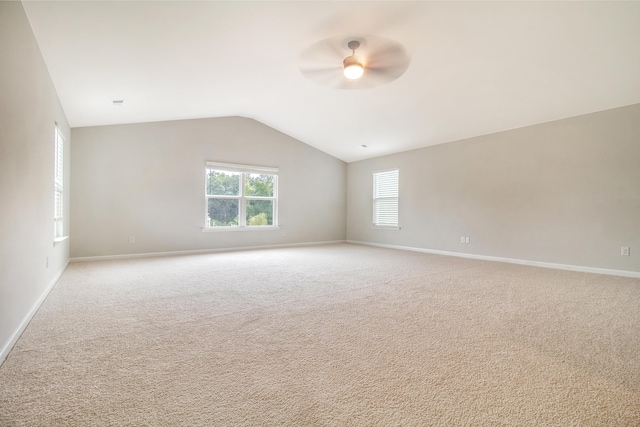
(241, 196)
(58, 186)
(385, 198)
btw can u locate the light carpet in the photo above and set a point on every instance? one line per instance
(335, 335)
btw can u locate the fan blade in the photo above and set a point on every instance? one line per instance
(325, 53)
(322, 62)
(388, 56)
(326, 76)
(387, 73)
(319, 72)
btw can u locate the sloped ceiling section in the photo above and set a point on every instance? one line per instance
(475, 67)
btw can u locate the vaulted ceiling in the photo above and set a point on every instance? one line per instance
(475, 67)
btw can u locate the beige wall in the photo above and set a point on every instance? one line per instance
(565, 192)
(147, 181)
(29, 109)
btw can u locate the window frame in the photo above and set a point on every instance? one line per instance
(242, 198)
(376, 197)
(58, 185)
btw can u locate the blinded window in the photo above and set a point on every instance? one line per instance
(58, 183)
(385, 198)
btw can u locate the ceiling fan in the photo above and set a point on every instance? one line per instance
(372, 61)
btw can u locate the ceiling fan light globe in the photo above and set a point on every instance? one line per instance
(353, 68)
(353, 72)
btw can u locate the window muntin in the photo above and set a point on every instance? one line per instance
(58, 186)
(385, 198)
(241, 196)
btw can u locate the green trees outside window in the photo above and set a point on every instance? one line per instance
(240, 198)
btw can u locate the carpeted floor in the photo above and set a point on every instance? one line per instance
(336, 335)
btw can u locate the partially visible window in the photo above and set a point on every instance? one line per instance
(58, 186)
(385, 198)
(241, 196)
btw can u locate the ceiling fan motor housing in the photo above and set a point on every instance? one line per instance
(352, 60)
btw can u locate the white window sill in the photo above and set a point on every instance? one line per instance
(258, 228)
(386, 227)
(61, 239)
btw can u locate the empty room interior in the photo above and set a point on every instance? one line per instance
(320, 213)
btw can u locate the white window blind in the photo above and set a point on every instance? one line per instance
(58, 183)
(385, 198)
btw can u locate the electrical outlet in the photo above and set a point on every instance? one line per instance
(462, 239)
(624, 251)
(132, 239)
(466, 239)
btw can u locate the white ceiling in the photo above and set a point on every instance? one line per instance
(476, 67)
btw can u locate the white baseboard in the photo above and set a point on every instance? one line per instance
(6, 348)
(201, 251)
(624, 273)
